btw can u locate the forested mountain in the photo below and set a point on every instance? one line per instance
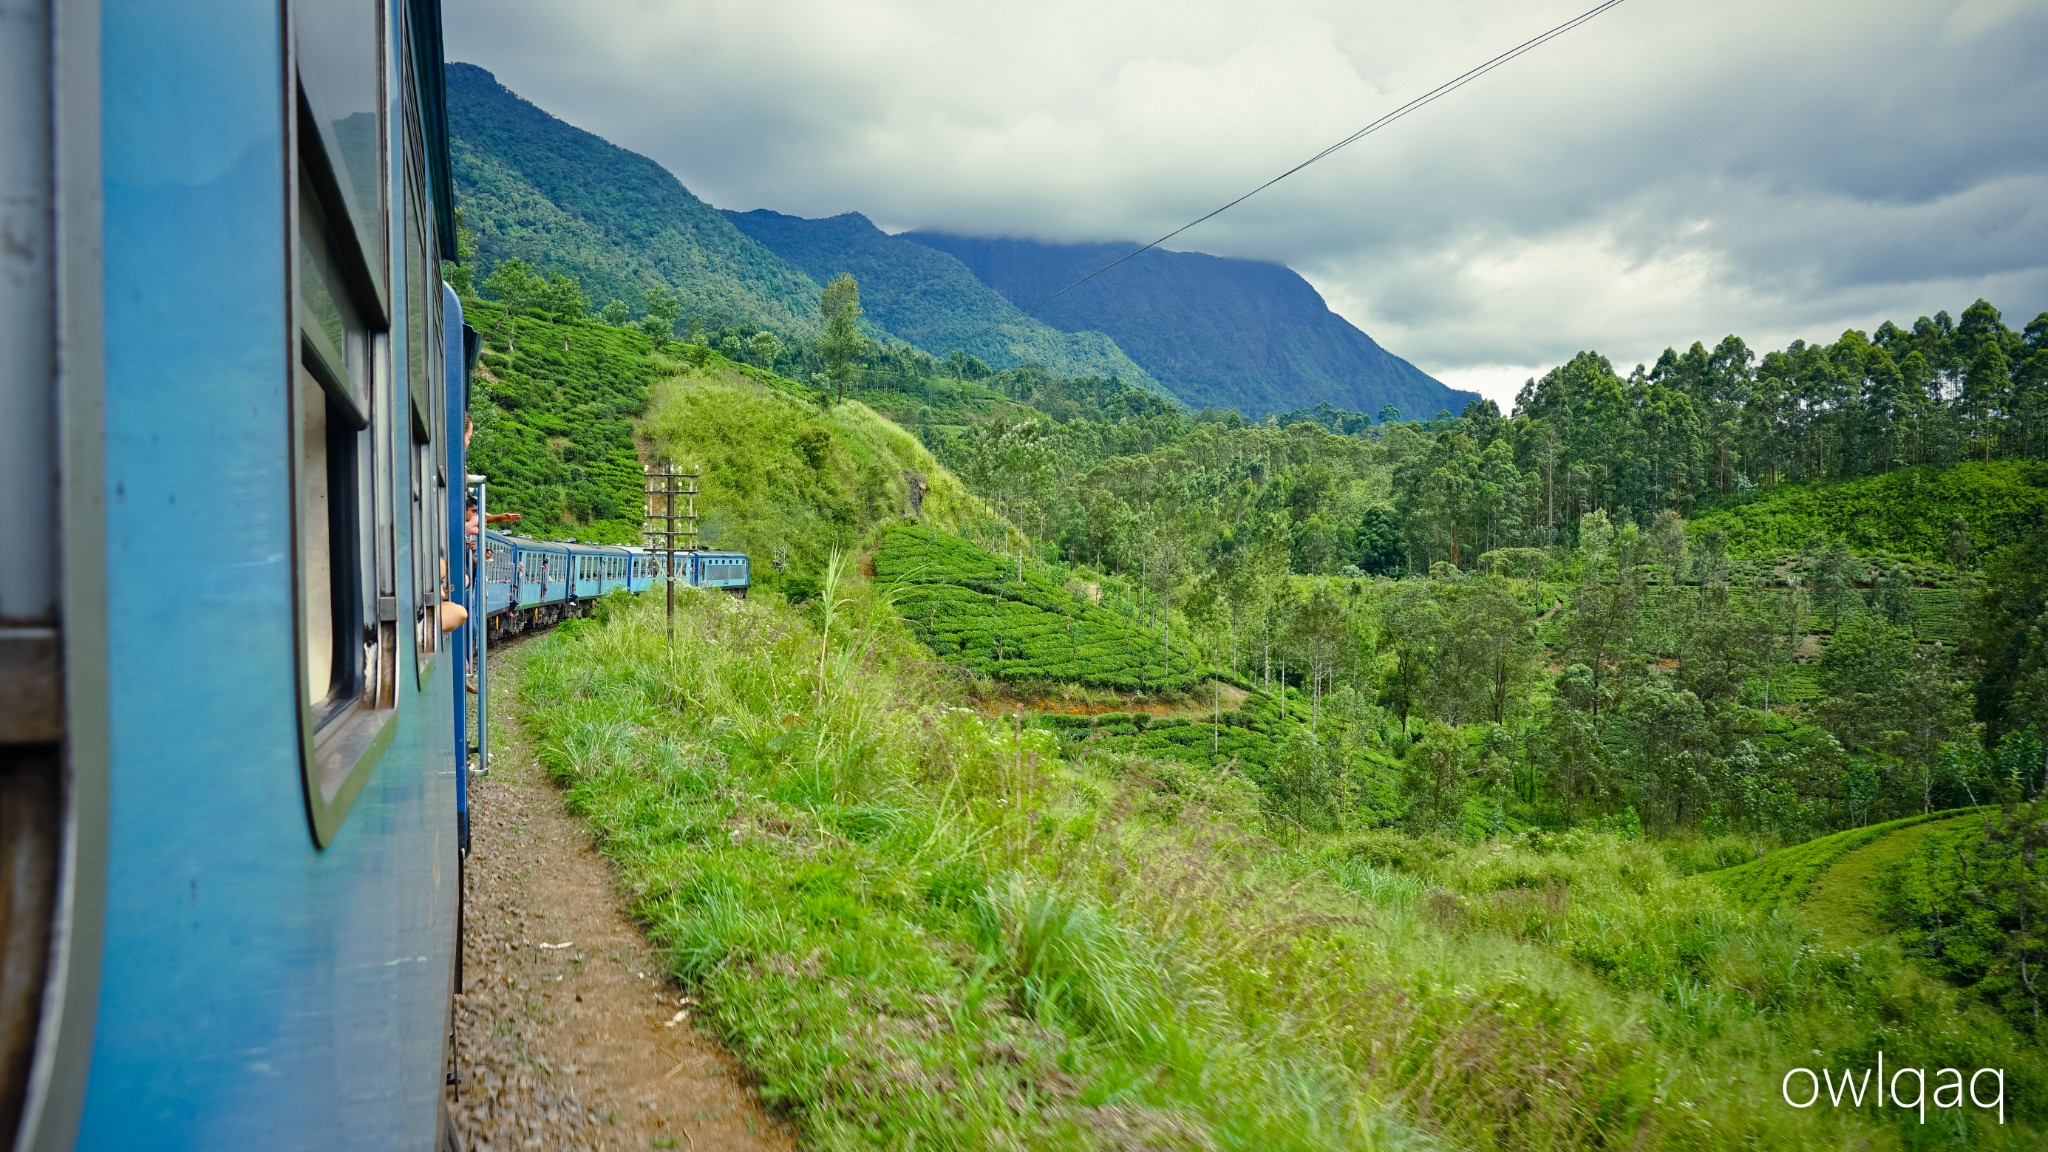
(1218, 332)
(1214, 332)
(929, 298)
(565, 201)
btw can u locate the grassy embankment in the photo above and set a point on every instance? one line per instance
(921, 927)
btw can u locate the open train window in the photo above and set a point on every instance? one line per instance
(346, 450)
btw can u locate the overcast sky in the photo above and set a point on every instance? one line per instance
(1675, 170)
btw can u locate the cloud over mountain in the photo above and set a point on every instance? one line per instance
(1669, 172)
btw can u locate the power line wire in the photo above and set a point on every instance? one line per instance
(1429, 97)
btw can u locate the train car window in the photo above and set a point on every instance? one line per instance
(348, 450)
(339, 51)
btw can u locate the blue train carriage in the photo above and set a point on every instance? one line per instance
(729, 571)
(644, 570)
(498, 567)
(230, 485)
(597, 569)
(540, 589)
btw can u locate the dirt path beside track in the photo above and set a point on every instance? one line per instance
(568, 1033)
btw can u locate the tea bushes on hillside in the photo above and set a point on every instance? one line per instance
(968, 606)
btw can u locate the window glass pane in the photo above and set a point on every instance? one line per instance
(341, 71)
(331, 326)
(316, 569)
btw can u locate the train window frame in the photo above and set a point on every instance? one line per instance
(341, 340)
(428, 480)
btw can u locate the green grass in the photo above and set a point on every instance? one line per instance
(1903, 514)
(1786, 875)
(1844, 904)
(969, 606)
(919, 927)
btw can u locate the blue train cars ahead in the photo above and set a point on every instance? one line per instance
(228, 437)
(543, 572)
(597, 569)
(498, 566)
(726, 570)
(641, 575)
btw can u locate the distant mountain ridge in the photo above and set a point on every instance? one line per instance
(929, 299)
(536, 189)
(1212, 331)
(1218, 332)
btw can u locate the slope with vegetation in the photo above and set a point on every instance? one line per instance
(930, 299)
(921, 927)
(1021, 625)
(788, 479)
(1911, 514)
(565, 201)
(556, 406)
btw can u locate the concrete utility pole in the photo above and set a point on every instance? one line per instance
(665, 526)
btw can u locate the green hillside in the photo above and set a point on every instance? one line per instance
(556, 407)
(1904, 514)
(1789, 874)
(930, 299)
(565, 201)
(1845, 905)
(781, 474)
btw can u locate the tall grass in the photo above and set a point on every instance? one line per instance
(920, 928)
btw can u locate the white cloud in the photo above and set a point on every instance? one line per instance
(1670, 172)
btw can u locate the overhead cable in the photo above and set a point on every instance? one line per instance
(1429, 97)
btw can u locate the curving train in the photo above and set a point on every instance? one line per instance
(534, 583)
(240, 607)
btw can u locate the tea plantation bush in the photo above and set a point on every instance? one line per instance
(969, 607)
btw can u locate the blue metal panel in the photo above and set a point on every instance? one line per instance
(258, 992)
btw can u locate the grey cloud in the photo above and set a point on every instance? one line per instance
(1670, 172)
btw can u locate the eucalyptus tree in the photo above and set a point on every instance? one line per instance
(1835, 575)
(842, 342)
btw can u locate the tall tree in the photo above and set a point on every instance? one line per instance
(2008, 640)
(842, 343)
(1985, 393)
(516, 288)
(564, 297)
(661, 309)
